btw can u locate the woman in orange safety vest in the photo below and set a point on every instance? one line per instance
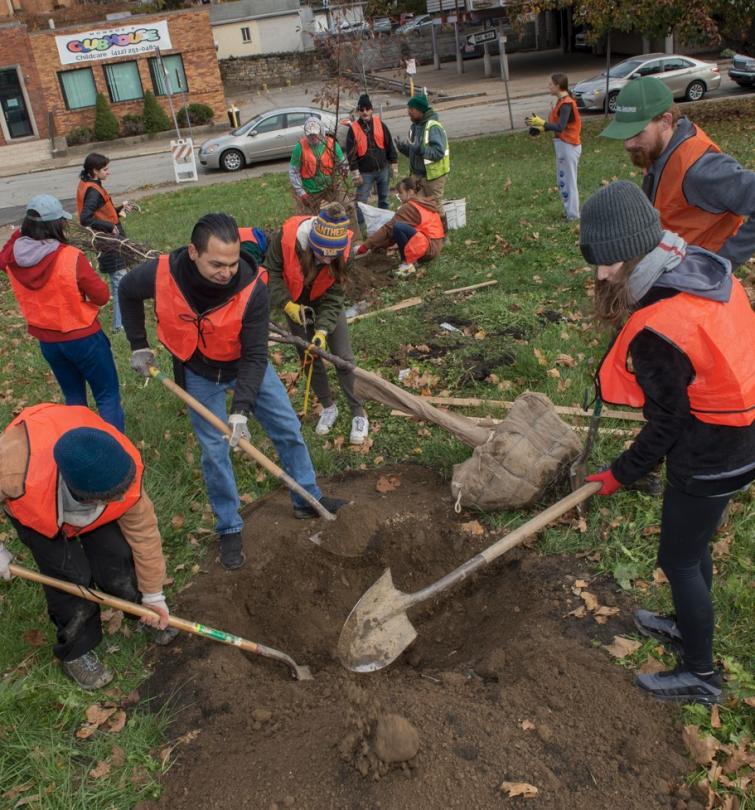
(684, 355)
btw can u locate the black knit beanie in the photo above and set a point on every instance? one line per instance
(364, 102)
(618, 223)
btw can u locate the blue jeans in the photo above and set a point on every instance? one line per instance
(276, 416)
(382, 180)
(87, 360)
(402, 233)
(115, 282)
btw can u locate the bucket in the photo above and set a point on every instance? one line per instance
(456, 213)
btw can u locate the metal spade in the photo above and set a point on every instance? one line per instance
(378, 630)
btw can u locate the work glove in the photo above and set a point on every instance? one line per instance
(156, 602)
(361, 250)
(535, 123)
(294, 312)
(237, 422)
(607, 479)
(320, 339)
(394, 169)
(356, 177)
(141, 360)
(6, 558)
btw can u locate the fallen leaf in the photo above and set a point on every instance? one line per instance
(15, 791)
(113, 624)
(659, 578)
(86, 731)
(177, 521)
(473, 528)
(722, 547)
(523, 789)
(34, 638)
(603, 613)
(702, 748)
(100, 770)
(276, 357)
(578, 613)
(651, 531)
(117, 722)
(580, 583)
(750, 701)
(715, 717)
(540, 357)
(118, 757)
(621, 646)
(590, 600)
(387, 483)
(527, 725)
(97, 715)
(338, 442)
(565, 360)
(650, 666)
(553, 372)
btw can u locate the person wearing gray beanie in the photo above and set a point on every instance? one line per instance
(683, 353)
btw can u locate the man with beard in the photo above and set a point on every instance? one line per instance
(701, 193)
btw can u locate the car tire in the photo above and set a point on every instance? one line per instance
(695, 91)
(612, 101)
(232, 160)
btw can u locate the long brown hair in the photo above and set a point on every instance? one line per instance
(561, 80)
(310, 267)
(612, 303)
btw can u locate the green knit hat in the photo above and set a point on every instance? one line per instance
(419, 103)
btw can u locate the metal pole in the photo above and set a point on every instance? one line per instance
(505, 73)
(166, 79)
(436, 55)
(459, 60)
(608, 70)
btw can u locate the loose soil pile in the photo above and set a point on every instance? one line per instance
(500, 685)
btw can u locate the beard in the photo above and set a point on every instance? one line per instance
(644, 156)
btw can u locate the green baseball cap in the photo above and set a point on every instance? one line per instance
(636, 106)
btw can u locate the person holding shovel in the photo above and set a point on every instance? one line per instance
(416, 229)
(307, 260)
(211, 304)
(684, 354)
(71, 486)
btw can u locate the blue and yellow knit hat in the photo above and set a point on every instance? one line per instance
(330, 231)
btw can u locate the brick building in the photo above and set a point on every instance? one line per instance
(49, 79)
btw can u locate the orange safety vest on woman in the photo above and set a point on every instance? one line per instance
(37, 507)
(293, 275)
(718, 339)
(360, 136)
(430, 223)
(58, 304)
(216, 333)
(308, 168)
(695, 225)
(106, 211)
(572, 130)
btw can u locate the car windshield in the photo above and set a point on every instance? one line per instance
(623, 69)
(244, 128)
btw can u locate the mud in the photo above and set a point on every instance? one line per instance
(500, 685)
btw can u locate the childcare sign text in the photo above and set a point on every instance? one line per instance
(113, 42)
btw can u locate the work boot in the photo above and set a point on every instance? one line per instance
(160, 637)
(655, 625)
(327, 420)
(88, 671)
(360, 427)
(307, 512)
(681, 685)
(231, 551)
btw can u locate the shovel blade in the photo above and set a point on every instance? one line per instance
(377, 630)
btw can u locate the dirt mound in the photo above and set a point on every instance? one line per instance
(500, 685)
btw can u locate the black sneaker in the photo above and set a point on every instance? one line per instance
(88, 671)
(308, 512)
(655, 625)
(683, 686)
(650, 484)
(231, 551)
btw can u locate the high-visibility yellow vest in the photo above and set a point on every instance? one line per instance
(436, 168)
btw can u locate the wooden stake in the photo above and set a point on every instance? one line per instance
(405, 304)
(472, 287)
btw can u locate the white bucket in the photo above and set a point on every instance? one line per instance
(456, 213)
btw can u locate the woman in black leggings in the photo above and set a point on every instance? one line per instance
(684, 354)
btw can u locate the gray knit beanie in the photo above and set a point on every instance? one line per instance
(618, 223)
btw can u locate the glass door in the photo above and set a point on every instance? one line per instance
(13, 105)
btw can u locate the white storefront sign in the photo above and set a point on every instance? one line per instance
(184, 161)
(110, 43)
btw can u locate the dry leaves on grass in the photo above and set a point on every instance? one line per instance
(17, 791)
(722, 547)
(565, 360)
(659, 578)
(100, 770)
(473, 528)
(702, 747)
(621, 646)
(34, 638)
(540, 357)
(424, 382)
(523, 789)
(600, 613)
(387, 483)
(111, 718)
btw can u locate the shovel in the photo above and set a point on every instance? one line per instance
(245, 445)
(378, 630)
(300, 673)
(578, 469)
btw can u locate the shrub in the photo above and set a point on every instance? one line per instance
(155, 119)
(132, 124)
(198, 114)
(105, 122)
(79, 135)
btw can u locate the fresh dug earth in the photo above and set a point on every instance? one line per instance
(500, 685)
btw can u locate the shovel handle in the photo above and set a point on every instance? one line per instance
(245, 445)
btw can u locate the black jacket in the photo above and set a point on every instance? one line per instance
(374, 159)
(204, 295)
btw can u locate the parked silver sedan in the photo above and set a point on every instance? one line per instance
(267, 136)
(687, 78)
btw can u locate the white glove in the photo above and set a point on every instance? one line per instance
(356, 177)
(6, 558)
(141, 360)
(156, 602)
(237, 422)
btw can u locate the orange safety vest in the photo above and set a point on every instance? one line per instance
(360, 136)
(430, 223)
(695, 225)
(293, 275)
(58, 304)
(106, 211)
(716, 337)
(247, 235)
(216, 333)
(574, 127)
(37, 507)
(309, 162)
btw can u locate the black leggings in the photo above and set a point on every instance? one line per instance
(687, 526)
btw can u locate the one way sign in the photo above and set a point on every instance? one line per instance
(488, 35)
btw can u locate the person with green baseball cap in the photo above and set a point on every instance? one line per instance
(701, 193)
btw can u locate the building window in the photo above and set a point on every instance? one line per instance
(173, 66)
(78, 88)
(246, 35)
(123, 82)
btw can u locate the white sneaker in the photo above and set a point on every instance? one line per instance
(327, 420)
(360, 427)
(405, 270)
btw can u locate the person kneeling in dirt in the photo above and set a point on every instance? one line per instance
(212, 308)
(71, 485)
(416, 229)
(687, 335)
(307, 260)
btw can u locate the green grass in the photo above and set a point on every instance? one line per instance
(514, 234)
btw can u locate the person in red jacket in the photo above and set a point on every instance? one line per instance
(60, 296)
(684, 355)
